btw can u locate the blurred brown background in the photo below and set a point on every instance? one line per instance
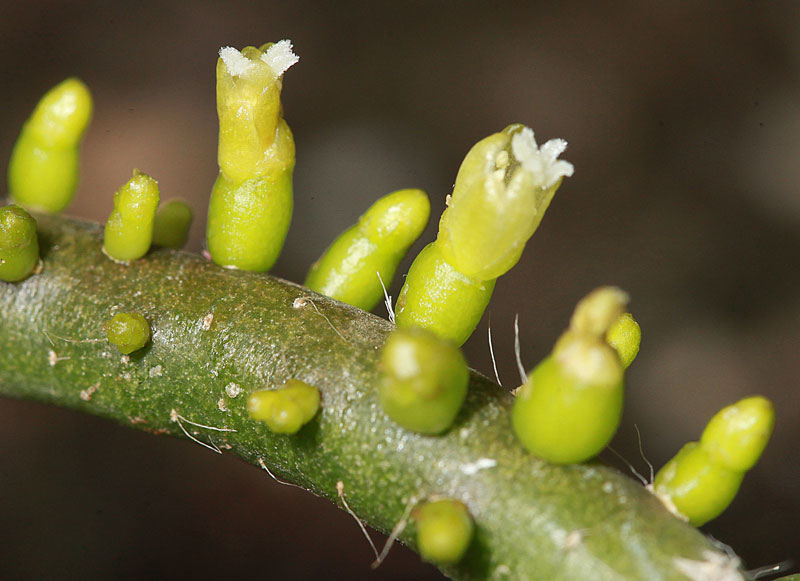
(683, 121)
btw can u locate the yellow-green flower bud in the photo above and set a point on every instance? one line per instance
(501, 193)
(348, 271)
(287, 409)
(444, 531)
(624, 336)
(129, 228)
(43, 170)
(172, 223)
(699, 488)
(703, 478)
(737, 435)
(251, 202)
(19, 244)
(128, 332)
(571, 404)
(439, 298)
(424, 380)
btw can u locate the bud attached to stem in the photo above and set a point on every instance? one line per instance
(43, 170)
(251, 202)
(502, 190)
(570, 406)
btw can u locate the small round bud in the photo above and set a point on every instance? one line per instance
(444, 531)
(624, 336)
(128, 332)
(287, 409)
(19, 245)
(424, 380)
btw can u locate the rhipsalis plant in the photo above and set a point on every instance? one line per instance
(389, 423)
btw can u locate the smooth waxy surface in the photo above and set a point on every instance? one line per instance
(444, 530)
(19, 245)
(698, 487)
(172, 223)
(129, 228)
(625, 336)
(441, 299)
(213, 327)
(128, 332)
(703, 478)
(571, 404)
(737, 434)
(350, 268)
(424, 380)
(43, 170)
(251, 202)
(286, 409)
(563, 418)
(502, 190)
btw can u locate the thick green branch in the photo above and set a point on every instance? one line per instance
(218, 331)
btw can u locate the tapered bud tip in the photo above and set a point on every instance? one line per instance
(542, 162)
(598, 311)
(625, 336)
(737, 434)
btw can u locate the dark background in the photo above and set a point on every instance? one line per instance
(682, 120)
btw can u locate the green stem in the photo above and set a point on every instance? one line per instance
(214, 328)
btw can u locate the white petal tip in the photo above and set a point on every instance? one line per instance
(280, 56)
(542, 161)
(237, 63)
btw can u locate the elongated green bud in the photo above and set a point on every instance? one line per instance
(129, 228)
(737, 435)
(444, 530)
(624, 336)
(502, 190)
(570, 406)
(348, 271)
(424, 380)
(19, 245)
(128, 332)
(251, 202)
(43, 170)
(703, 478)
(287, 409)
(172, 223)
(441, 299)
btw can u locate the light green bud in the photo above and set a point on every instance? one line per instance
(699, 488)
(19, 244)
(348, 270)
(502, 190)
(128, 332)
(737, 434)
(571, 404)
(287, 409)
(624, 336)
(43, 170)
(424, 380)
(251, 202)
(444, 531)
(129, 228)
(439, 298)
(172, 223)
